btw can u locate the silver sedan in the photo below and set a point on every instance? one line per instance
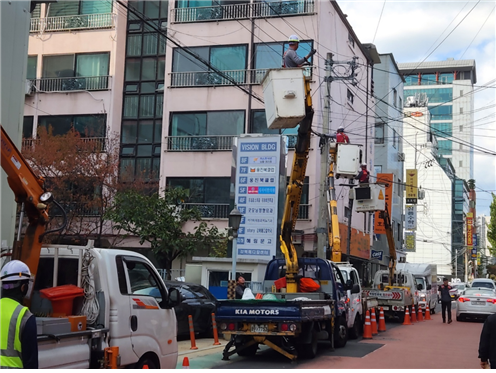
(476, 303)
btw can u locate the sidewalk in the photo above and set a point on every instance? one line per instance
(205, 347)
(426, 345)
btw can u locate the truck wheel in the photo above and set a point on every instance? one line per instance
(340, 332)
(433, 309)
(148, 361)
(249, 351)
(356, 330)
(308, 350)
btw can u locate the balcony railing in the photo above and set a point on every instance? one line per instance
(221, 211)
(208, 143)
(87, 83)
(75, 22)
(99, 143)
(211, 79)
(76, 209)
(260, 9)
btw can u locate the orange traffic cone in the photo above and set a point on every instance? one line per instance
(414, 317)
(185, 363)
(420, 316)
(407, 317)
(382, 321)
(428, 313)
(373, 322)
(367, 329)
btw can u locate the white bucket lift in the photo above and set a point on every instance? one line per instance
(370, 197)
(348, 161)
(284, 97)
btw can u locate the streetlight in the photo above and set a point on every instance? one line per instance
(234, 222)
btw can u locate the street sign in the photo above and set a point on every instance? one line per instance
(387, 179)
(257, 176)
(376, 254)
(469, 223)
(411, 217)
(411, 186)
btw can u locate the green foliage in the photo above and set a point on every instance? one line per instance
(491, 231)
(159, 220)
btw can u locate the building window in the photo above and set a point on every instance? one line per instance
(442, 129)
(395, 139)
(377, 169)
(461, 110)
(460, 163)
(92, 125)
(71, 8)
(435, 95)
(269, 55)
(258, 124)
(224, 58)
(351, 41)
(400, 103)
(213, 123)
(350, 96)
(379, 133)
(461, 128)
(203, 189)
(395, 97)
(441, 112)
(27, 127)
(398, 188)
(461, 92)
(428, 79)
(32, 65)
(460, 146)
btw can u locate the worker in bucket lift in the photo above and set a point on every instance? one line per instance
(340, 136)
(363, 175)
(19, 345)
(290, 58)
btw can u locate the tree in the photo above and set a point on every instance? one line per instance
(159, 220)
(491, 230)
(82, 174)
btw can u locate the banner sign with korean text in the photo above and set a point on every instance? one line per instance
(387, 179)
(411, 187)
(410, 238)
(257, 183)
(411, 217)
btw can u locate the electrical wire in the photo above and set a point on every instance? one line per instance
(91, 307)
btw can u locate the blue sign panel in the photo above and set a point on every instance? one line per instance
(474, 239)
(376, 254)
(257, 185)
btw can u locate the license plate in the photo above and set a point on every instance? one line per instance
(475, 303)
(255, 328)
(385, 308)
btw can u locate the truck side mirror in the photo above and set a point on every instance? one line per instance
(355, 289)
(420, 287)
(174, 298)
(429, 287)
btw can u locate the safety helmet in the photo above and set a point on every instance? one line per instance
(363, 165)
(15, 270)
(340, 129)
(293, 39)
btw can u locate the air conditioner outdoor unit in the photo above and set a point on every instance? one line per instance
(29, 87)
(401, 157)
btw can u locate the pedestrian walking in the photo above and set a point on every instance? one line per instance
(444, 294)
(291, 58)
(487, 344)
(18, 332)
(240, 287)
(363, 175)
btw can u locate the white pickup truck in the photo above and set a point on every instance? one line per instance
(141, 326)
(395, 299)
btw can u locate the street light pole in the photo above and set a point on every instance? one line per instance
(234, 222)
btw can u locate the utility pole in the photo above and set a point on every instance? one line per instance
(326, 188)
(322, 238)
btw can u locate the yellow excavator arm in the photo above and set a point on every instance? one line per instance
(390, 238)
(333, 225)
(294, 192)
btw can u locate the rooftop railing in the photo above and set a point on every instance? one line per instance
(74, 22)
(228, 12)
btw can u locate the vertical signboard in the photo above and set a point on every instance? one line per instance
(410, 238)
(469, 220)
(411, 217)
(387, 179)
(257, 180)
(411, 187)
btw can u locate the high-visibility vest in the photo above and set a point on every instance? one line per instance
(10, 338)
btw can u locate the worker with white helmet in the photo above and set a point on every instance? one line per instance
(18, 332)
(363, 175)
(342, 137)
(290, 58)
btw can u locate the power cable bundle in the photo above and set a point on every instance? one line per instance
(91, 308)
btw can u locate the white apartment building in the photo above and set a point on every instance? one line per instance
(434, 212)
(389, 155)
(129, 73)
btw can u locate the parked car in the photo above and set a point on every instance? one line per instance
(196, 300)
(483, 283)
(476, 303)
(458, 287)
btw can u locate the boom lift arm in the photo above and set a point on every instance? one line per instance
(294, 192)
(392, 250)
(29, 190)
(333, 226)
